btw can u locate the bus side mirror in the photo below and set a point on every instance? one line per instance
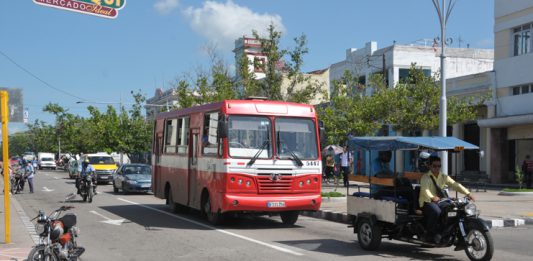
(222, 128)
(322, 132)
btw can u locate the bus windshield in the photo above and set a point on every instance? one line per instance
(296, 137)
(247, 136)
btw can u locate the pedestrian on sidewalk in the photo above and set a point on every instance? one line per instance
(527, 169)
(330, 166)
(29, 173)
(346, 161)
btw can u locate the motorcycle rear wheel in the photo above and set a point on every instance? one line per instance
(38, 253)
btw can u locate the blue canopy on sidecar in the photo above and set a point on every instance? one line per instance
(408, 143)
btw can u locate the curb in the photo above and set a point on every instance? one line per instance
(347, 219)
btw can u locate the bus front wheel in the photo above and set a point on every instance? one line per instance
(289, 217)
(215, 218)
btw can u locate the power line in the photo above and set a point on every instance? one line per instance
(39, 79)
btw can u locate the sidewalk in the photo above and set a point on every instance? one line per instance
(496, 210)
(21, 241)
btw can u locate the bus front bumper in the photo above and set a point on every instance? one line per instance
(271, 203)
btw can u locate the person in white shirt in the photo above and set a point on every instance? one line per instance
(346, 161)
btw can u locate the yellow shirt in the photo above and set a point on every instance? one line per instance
(428, 190)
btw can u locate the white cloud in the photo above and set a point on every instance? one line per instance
(166, 6)
(223, 23)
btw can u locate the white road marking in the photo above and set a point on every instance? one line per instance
(45, 189)
(116, 222)
(285, 250)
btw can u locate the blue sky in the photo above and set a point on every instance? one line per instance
(151, 43)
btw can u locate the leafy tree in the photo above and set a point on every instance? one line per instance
(279, 64)
(411, 106)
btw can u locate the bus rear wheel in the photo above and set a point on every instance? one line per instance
(289, 217)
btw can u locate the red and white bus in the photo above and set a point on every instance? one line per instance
(239, 156)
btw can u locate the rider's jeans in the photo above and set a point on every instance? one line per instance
(432, 213)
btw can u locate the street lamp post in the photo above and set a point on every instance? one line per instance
(443, 11)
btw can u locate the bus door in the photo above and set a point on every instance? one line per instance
(194, 198)
(156, 178)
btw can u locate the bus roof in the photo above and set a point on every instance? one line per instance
(248, 107)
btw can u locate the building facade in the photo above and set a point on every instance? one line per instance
(395, 61)
(510, 114)
(161, 101)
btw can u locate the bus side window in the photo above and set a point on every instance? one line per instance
(183, 135)
(171, 135)
(209, 134)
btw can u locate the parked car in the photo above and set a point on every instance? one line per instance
(133, 178)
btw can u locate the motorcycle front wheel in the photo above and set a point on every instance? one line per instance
(39, 253)
(480, 246)
(90, 197)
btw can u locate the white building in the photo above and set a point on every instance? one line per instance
(395, 60)
(162, 101)
(510, 116)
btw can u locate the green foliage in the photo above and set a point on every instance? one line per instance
(411, 106)
(283, 79)
(517, 190)
(519, 176)
(110, 131)
(332, 194)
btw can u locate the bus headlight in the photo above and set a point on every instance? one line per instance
(248, 183)
(301, 183)
(470, 209)
(240, 182)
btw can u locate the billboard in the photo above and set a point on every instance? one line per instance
(15, 104)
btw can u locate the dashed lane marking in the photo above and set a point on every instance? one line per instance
(282, 249)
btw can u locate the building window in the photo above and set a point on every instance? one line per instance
(516, 90)
(403, 75)
(522, 89)
(525, 89)
(522, 39)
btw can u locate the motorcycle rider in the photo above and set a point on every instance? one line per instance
(86, 169)
(431, 192)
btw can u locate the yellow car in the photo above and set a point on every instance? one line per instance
(103, 164)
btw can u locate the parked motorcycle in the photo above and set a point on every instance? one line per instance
(86, 188)
(57, 237)
(17, 181)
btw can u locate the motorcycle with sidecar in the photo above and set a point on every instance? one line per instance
(396, 215)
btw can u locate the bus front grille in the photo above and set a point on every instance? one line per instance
(278, 184)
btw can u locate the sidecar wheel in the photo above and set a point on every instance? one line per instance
(480, 246)
(368, 234)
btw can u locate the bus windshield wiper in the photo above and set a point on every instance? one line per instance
(294, 157)
(254, 158)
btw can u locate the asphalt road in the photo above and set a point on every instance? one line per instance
(139, 227)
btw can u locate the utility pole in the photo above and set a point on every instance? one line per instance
(443, 12)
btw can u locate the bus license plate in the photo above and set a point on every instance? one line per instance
(276, 204)
(452, 214)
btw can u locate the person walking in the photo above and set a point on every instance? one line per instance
(29, 173)
(330, 166)
(346, 161)
(527, 169)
